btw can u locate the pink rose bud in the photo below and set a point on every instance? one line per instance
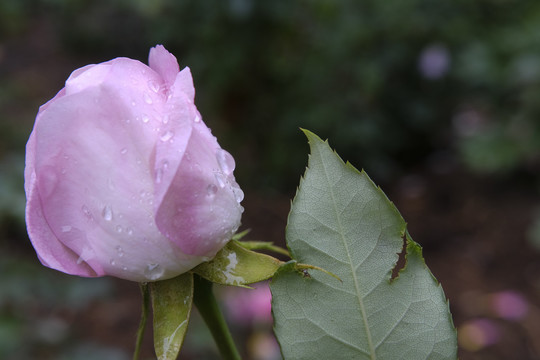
(123, 178)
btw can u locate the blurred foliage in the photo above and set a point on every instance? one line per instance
(33, 307)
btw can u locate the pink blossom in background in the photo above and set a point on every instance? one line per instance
(122, 176)
(249, 306)
(477, 334)
(509, 305)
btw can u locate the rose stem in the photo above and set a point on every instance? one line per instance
(208, 308)
(144, 315)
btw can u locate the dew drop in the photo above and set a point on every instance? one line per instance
(166, 136)
(119, 251)
(220, 178)
(133, 103)
(211, 190)
(66, 228)
(113, 262)
(153, 271)
(154, 86)
(129, 231)
(124, 268)
(197, 118)
(107, 213)
(123, 151)
(225, 161)
(165, 119)
(238, 194)
(86, 212)
(145, 118)
(147, 98)
(159, 175)
(119, 229)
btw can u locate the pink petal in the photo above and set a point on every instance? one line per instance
(164, 63)
(199, 211)
(184, 83)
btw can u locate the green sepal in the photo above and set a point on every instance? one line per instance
(264, 245)
(238, 266)
(172, 300)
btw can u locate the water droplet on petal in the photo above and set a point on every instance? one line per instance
(147, 98)
(165, 119)
(66, 228)
(197, 118)
(86, 212)
(129, 231)
(161, 170)
(221, 180)
(113, 263)
(211, 190)
(153, 271)
(168, 135)
(119, 251)
(133, 103)
(107, 213)
(225, 161)
(145, 118)
(123, 151)
(119, 229)
(154, 86)
(238, 194)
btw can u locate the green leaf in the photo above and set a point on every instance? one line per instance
(236, 265)
(341, 222)
(171, 303)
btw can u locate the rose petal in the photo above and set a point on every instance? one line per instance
(199, 213)
(164, 63)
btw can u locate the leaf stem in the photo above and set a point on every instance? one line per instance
(144, 316)
(208, 308)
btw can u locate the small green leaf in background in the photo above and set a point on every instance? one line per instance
(171, 303)
(236, 265)
(341, 222)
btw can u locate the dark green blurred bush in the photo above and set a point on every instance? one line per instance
(391, 83)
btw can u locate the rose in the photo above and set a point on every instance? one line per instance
(122, 176)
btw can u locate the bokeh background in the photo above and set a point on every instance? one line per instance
(439, 101)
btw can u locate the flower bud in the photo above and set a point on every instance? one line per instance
(123, 178)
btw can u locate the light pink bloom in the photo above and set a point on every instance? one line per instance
(248, 306)
(123, 178)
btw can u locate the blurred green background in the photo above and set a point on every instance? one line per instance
(439, 101)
